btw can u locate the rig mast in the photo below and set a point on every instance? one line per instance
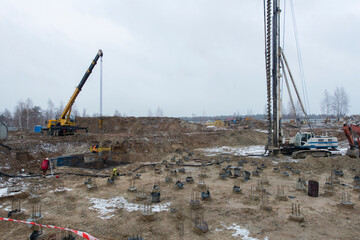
(273, 75)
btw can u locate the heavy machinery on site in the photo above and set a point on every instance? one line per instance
(65, 125)
(3, 132)
(99, 149)
(352, 131)
(304, 143)
(307, 143)
(3, 135)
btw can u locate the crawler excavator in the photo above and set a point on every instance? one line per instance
(352, 131)
(64, 125)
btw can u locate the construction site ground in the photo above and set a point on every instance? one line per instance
(112, 211)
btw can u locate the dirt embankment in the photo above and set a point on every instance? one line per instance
(131, 126)
(144, 139)
(325, 165)
(132, 140)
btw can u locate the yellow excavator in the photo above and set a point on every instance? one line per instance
(99, 149)
(64, 125)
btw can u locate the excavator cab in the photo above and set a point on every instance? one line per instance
(304, 138)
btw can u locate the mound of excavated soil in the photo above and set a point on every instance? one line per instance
(326, 165)
(131, 126)
(132, 140)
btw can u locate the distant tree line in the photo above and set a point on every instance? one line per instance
(336, 104)
(26, 115)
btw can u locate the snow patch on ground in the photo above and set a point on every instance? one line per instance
(7, 166)
(61, 190)
(106, 206)
(342, 149)
(7, 208)
(66, 148)
(261, 130)
(238, 231)
(236, 151)
(3, 192)
(12, 186)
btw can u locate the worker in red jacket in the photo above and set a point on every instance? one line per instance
(45, 166)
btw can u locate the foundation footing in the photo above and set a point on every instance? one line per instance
(329, 192)
(132, 189)
(347, 205)
(148, 217)
(281, 198)
(296, 218)
(255, 197)
(267, 208)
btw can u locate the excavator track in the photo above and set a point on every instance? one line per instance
(313, 153)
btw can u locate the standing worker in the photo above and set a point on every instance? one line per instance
(45, 166)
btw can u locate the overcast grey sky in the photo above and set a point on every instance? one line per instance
(185, 56)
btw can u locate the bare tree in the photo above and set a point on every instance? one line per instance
(340, 102)
(326, 103)
(159, 112)
(6, 117)
(75, 111)
(18, 114)
(84, 113)
(249, 112)
(150, 113)
(59, 110)
(298, 110)
(37, 116)
(117, 113)
(49, 113)
(26, 115)
(28, 112)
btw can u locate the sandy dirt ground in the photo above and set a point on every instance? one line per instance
(111, 211)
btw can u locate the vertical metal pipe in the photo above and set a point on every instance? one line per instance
(101, 80)
(276, 73)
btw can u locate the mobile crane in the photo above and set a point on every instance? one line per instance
(350, 131)
(64, 125)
